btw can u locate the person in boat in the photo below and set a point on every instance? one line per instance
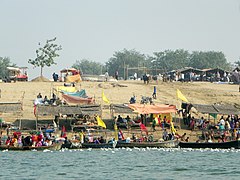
(209, 140)
(120, 135)
(134, 137)
(34, 140)
(14, 141)
(19, 141)
(96, 141)
(227, 125)
(187, 139)
(222, 139)
(128, 140)
(165, 135)
(101, 140)
(8, 140)
(181, 137)
(26, 141)
(66, 141)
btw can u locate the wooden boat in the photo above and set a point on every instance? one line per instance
(164, 144)
(216, 145)
(54, 147)
(123, 144)
(93, 145)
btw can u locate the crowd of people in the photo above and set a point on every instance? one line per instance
(35, 139)
(226, 129)
(45, 100)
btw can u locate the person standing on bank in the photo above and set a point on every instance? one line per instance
(154, 95)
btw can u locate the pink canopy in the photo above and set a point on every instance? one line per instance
(153, 109)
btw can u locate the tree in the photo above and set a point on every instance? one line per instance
(46, 54)
(4, 63)
(88, 67)
(171, 60)
(209, 59)
(123, 59)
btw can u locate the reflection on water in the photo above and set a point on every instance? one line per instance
(125, 163)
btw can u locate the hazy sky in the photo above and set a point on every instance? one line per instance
(95, 29)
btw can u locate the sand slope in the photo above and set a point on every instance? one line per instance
(197, 92)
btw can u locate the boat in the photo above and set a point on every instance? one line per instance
(54, 147)
(163, 144)
(94, 145)
(213, 145)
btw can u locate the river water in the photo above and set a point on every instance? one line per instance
(121, 164)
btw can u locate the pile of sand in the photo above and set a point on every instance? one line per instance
(40, 79)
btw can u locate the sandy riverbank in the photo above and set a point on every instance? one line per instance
(197, 92)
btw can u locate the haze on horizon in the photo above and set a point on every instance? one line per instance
(94, 30)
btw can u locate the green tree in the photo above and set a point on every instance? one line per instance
(171, 60)
(46, 55)
(88, 67)
(126, 58)
(209, 59)
(4, 63)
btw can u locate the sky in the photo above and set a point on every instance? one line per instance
(95, 29)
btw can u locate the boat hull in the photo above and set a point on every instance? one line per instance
(221, 145)
(54, 147)
(164, 144)
(95, 146)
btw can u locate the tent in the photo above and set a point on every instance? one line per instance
(77, 100)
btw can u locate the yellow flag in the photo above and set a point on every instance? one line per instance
(104, 98)
(173, 130)
(115, 131)
(100, 122)
(181, 96)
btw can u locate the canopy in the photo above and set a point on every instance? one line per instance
(217, 109)
(77, 100)
(153, 109)
(13, 69)
(49, 110)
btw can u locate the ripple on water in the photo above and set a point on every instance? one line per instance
(124, 164)
(180, 169)
(61, 174)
